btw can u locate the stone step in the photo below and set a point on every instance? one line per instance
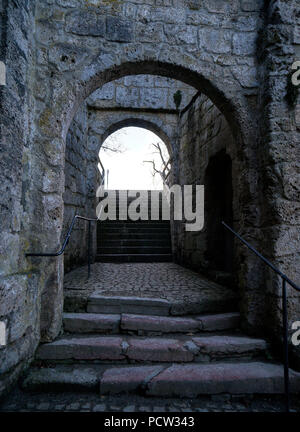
(134, 224)
(91, 323)
(153, 227)
(136, 305)
(137, 242)
(63, 378)
(214, 299)
(143, 258)
(134, 250)
(151, 349)
(133, 230)
(188, 324)
(139, 236)
(217, 300)
(145, 324)
(163, 380)
(196, 380)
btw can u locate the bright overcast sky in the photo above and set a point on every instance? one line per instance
(127, 169)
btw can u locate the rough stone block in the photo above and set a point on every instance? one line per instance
(235, 378)
(105, 92)
(222, 6)
(222, 346)
(252, 5)
(216, 41)
(220, 321)
(85, 23)
(246, 75)
(244, 43)
(159, 324)
(128, 97)
(153, 32)
(194, 4)
(118, 30)
(140, 80)
(83, 348)
(90, 323)
(159, 350)
(143, 306)
(181, 34)
(126, 379)
(66, 57)
(61, 378)
(168, 15)
(154, 98)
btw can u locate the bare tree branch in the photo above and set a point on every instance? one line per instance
(112, 149)
(155, 170)
(113, 142)
(158, 147)
(164, 165)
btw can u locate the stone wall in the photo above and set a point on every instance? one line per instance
(61, 52)
(19, 294)
(280, 169)
(138, 100)
(80, 188)
(204, 134)
(142, 92)
(103, 123)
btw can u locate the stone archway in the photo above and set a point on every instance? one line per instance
(85, 138)
(54, 122)
(152, 126)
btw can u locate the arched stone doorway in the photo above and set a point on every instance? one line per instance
(55, 120)
(85, 138)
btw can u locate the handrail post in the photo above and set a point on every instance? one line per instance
(89, 248)
(285, 346)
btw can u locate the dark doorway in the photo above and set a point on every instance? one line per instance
(218, 207)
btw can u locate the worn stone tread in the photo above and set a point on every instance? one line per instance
(150, 349)
(124, 380)
(164, 380)
(195, 380)
(167, 281)
(82, 348)
(62, 378)
(118, 304)
(112, 323)
(234, 378)
(91, 323)
(193, 323)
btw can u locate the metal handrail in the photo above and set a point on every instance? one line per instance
(66, 241)
(285, 280)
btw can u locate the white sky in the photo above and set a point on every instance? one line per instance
(127, 169)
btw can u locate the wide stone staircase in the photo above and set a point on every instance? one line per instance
(136, 345)
(135, 241)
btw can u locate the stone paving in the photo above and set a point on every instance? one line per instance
(87, 402)
(167, 281)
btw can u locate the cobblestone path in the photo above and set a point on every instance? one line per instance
(149, 280)
(73, 402)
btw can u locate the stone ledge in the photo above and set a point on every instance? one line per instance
(234, 378)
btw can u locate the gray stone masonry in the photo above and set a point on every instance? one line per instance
(238, 53)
